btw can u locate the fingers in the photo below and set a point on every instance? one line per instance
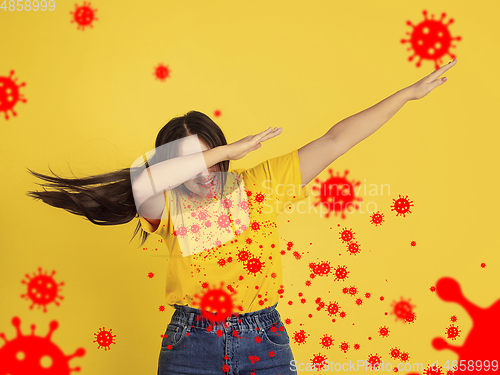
(267, 134)
(434, 75)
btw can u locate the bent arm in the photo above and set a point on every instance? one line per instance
(315, 156)
(168, 174)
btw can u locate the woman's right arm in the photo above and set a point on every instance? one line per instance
(168, 174)
(171, 173)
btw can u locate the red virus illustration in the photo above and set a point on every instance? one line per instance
(162, 72)
(151, 275)
(326, 341)
(337, 194)
(433, 370)
(9, 94)
(430, 40)
(254, 265)
(321, 269)
(243, 255)
(84, 15)
(104, 338)
(374, 360)
(317, 361)
(333, 308)
(346, 235)
(404, 357)
(383, 331)
(359, 301)
(353, 290)
(356, 346)
(402, 308)
(300, 337)
(341, 273)
(483, 265)
(413, 244)
(453, 332)
(402, 206)
(344, 347)
(395, 353)
(32, 354)
(410, 317)
(353, 248)
(42, 289)
(480, 348)
(216, 304)
(260, 197)
(377, 218)
(453, 318)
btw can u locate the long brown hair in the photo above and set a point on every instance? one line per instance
(107, 199)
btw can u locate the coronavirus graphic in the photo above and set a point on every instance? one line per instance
(300, 337)
(344, 347)
(402, 206)
(395, 353)
(337, 194)
(480, 348)
(374, 360)
(327, 341)
(318, 361)
(9, 94)
(353, 248)
(377, 218)
(452, 332)
(216, 304)
(30, 354)
(402, 308)
(333, 308)
(383, 331)
(104, 338)
(42, 289)
(162, 72)
(430, 40)
(346, 235)
(341, 273)
(254, 265)
(84, 15)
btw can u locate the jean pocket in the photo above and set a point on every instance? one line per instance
(173, 336)
(276, 334)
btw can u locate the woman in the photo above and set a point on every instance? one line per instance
(224, 275)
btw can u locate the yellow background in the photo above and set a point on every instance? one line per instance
(94, 105)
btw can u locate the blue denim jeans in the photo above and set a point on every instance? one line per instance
(252, 342)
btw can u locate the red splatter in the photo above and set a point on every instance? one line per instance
(482, 341)
(430, 40)
(23, 355)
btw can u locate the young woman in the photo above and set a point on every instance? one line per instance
(219, 226)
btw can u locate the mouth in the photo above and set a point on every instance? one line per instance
(207, 182)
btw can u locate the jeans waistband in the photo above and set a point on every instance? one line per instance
(186, 315)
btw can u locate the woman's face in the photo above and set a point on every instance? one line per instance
(202, 183)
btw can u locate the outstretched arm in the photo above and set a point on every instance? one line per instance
(315, 156)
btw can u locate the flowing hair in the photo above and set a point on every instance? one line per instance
(107, 199)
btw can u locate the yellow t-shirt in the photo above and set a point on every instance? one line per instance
(247, 267)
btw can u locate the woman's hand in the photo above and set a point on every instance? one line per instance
(421, 88)
(239, 149)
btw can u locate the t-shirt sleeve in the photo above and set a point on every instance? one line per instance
(279, 179)
(164, 222)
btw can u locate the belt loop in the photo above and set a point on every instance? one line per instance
(190, 321)
(259, 324)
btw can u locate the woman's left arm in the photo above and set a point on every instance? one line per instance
(315, 156)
